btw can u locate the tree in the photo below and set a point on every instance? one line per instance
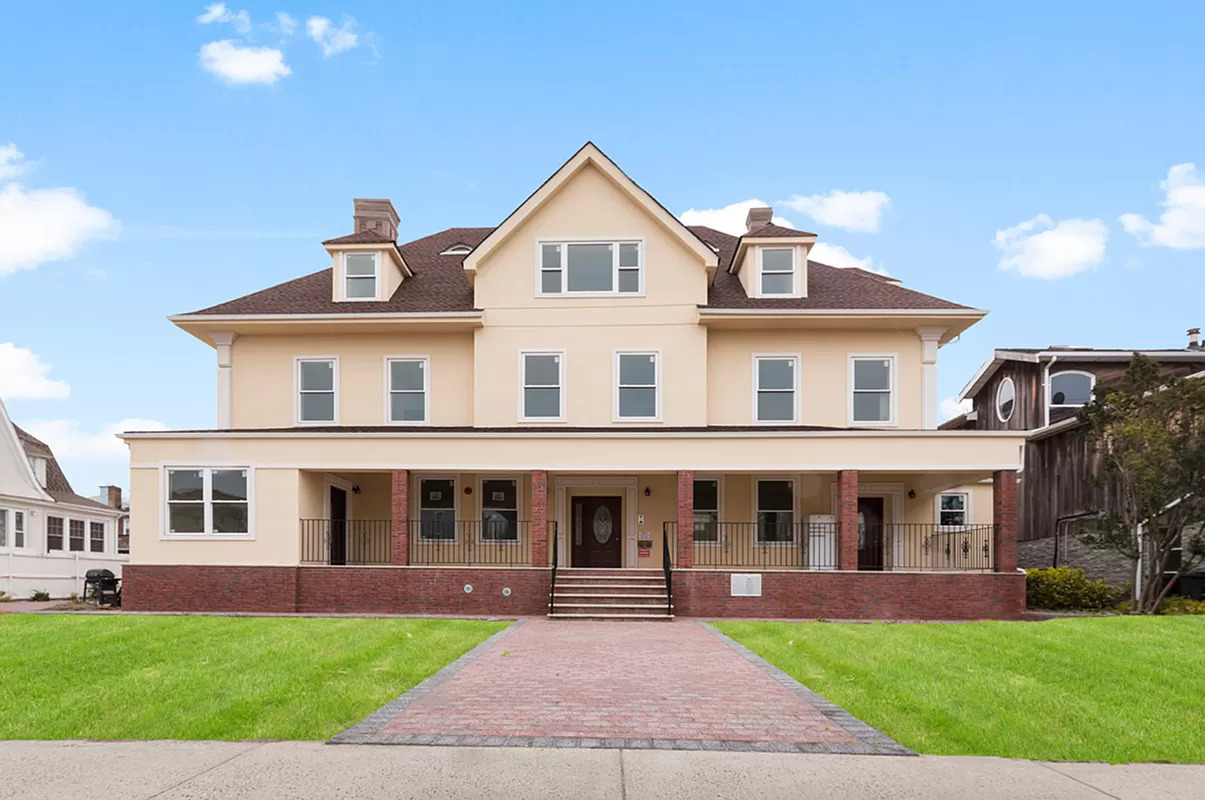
(1149, 434)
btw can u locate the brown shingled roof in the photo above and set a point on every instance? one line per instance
(361, 237)
(57, 485)
(771, 230)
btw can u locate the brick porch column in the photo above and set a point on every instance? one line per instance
(847, 519)
(684, 558)
(400, 526)
(1004, 520)
(539, 518)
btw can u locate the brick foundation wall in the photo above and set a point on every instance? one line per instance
(854, 595)
(146, 587)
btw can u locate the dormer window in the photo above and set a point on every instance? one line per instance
(777, 271)
(590, 268)
(360, 276)
(457, 250)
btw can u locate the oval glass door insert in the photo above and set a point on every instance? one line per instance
(602, 524)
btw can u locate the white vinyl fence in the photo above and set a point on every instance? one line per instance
(21, 574)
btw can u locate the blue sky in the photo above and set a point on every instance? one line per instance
(160, 163)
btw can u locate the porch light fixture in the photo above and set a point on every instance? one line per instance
(648, 492)
(911, 494)
(355, 489)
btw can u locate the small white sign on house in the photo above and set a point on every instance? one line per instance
(746, 584)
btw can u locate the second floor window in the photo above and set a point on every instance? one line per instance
(590, 268)
(777, 271)
(636, 386)
(408, 390)
(316, 400)
(774, 378)
(1071, 388)
(360, 276)
(873, 379)
(543, 397)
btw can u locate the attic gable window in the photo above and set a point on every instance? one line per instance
(590, 268)
(360, 276)
(457, 250)
(777, 271)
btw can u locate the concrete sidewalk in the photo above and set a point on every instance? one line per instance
(301, 770)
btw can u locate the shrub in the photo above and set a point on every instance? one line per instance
(5, 597)
(39, 596)
(1066, 588)
(1181, 605)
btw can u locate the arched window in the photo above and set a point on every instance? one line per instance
(1071, 388)
(457, 250)
(1006, 398)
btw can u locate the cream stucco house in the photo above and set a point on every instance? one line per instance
(590, 394)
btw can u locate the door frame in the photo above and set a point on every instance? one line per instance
(329, 480)
(576, 500)
(888, 491)
(605, 485)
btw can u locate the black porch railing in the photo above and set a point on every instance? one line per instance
(346, 541)
(497, 541)
(925, 547)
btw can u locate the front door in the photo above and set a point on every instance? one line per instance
(870, 533)
(338, 525)
(597, 532)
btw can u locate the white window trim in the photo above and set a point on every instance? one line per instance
(893, 404)
(376, 274)
(754, 502)
(761, 252)
(615, 355)
(426, 362)
(1007, 380)
(522, 409)
(966, 510)
(297, 361)
(457, 250)
(519, 506)
(1050, 388)
(104, 538)
(755, 376)
(10, 530)
(719, 501)
(206, 484)
(416, 511)
(564, 243)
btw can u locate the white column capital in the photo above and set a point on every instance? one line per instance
(930, 340)
(222, 342)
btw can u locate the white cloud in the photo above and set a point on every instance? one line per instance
(834, 255)
(285, 23)
(729, 219)
(25, 376)
(71, 442)
(851, 211)
(1040, 248)
(11, 162)
(40, 225)
(235, 63)
(1182, 225)
(217, 12)
(332, 40)
(952, 407)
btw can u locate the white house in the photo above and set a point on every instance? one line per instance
(49, 535)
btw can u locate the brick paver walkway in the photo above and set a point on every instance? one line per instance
(617, 684)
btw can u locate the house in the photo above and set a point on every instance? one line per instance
(1040, 391)
(587, 397)
(112, 497)
(49, 535)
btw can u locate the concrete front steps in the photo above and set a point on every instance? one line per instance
(637, 594)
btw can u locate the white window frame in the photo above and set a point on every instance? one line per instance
(11, 529)
(66, 541)
(761, 270)
(796, 403)
(376, 274)
(104, 537)
(893, 389)
(966, 511)
(1050, 388)
(719, 511)
(481, 503)
(297, 362)
(6, 527)
(207, 502)
(999, 389)
(615, 243)
(616, 386)
(425, 360)
(84, 544)
(457, 250)
(417, 510)
(756, 503)
(522, 409)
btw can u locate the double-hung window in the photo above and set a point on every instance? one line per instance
(203, 501)
(54, 533)
(19, 529)
(408, 390)
(774, 388)
(3, 528)
(96, 537)
(952, 509)
(543, 396)
(775, 511)
(317, 394)
(873, 385)
(360, 276)
(499, 510)
(636, 386)
(777, 271)
(707, 510)
(590, 267)
(76, 529)
(437, 508)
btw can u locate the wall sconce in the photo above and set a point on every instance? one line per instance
(911, 494)
(355, 490)
(648, 492)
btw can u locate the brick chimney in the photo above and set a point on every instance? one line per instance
(1194, 342)
(112, 495)
(757, 217)
(375, 215)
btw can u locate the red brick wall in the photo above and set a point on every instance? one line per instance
(685, 557)
(847, 519)
(539, 518)
(146, 587)
(1004, 520)
(400, 527)
(853, 595)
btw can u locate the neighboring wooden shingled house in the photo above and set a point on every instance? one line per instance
(1041, 391)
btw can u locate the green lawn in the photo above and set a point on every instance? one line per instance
(1114, 689)
(136, 677)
